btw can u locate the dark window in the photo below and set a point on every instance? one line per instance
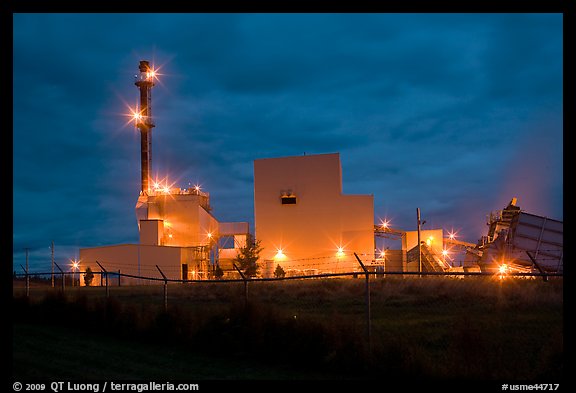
(226, 242)
(288, 200)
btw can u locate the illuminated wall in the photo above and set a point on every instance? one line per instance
(133, 259)
(232, 237)
(302, 218)
(140, 260)
(433, 238)
(177, 232)
(186, 222)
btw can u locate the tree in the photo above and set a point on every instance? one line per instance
(218, 272)
(248, 255)
(88, 276)
(279, 272)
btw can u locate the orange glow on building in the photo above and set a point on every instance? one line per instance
(299, 201)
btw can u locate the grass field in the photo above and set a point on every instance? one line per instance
(475, 328)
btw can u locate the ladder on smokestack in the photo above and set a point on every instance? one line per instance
(145, 82)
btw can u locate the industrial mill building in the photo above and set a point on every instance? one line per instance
(304, 222)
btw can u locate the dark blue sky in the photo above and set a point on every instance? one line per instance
(452, 113)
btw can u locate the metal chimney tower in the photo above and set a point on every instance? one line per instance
(144, 82)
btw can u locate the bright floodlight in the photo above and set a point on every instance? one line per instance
(445, 252)
(383, 254)
(135, 116)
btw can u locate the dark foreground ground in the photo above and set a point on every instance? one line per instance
(428, 329)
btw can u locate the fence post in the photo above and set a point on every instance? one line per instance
(52, 260)
(245, 285)
(165, 289)
(119, 283)
(27, 275)
(27, 281)
(106, 275)
(368, 310)
(62, 272)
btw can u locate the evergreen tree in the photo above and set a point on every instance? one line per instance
(88, 276)
(247, 258)
(279, 272)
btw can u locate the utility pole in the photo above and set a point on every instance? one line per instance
(419, 244)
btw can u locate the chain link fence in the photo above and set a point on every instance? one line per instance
(433, 324)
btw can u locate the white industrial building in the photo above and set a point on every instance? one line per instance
(178, 234)
(304, 221)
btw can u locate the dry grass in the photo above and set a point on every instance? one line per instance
(438, 328)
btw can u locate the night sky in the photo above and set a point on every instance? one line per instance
(452, 113)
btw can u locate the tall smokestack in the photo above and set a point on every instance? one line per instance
(144, 82)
